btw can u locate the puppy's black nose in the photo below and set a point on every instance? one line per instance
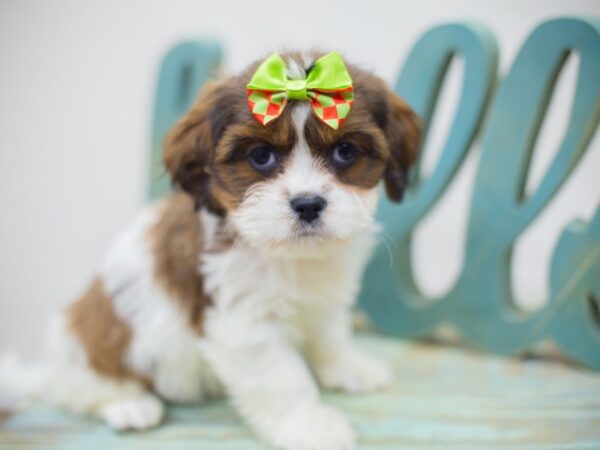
(308, 208)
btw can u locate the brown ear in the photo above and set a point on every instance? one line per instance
(402, 129)
(190, 144)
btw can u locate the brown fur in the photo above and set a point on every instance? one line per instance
(231, 174)
(206, 153)
(176, 242)
(103, 335)
(365, 135)
(206, 156)
(404, 135)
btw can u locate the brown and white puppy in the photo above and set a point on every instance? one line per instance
(243, 280)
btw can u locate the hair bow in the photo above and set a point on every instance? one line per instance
(327, 87)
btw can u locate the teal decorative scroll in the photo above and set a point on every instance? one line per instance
(481, 304)
(183, 71)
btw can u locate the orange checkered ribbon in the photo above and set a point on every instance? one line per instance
(327, 87)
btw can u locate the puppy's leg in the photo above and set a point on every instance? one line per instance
(270, 385)
(124, 403)
(337, 362)
(139, 412)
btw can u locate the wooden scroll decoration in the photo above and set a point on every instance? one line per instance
(481, 303)
(183, 71)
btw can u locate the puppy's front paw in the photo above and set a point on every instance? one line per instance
(354, 372)
(133, 414)
(314, 427)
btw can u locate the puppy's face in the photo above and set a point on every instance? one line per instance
(296, 185)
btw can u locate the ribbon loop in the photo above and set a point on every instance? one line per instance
(328, 89)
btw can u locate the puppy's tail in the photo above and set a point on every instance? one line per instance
(20, 384)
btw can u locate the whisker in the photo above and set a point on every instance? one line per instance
(390, 239)
(387, 246)
(380, 233)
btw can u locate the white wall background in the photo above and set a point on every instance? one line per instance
(76, 86)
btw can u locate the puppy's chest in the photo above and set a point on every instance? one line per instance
(242, 275)
(313, 282)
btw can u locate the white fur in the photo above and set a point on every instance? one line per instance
(273, 300)
(163, 348)
(265, 219)
(141, 412)
(267, 309)
(296, 68)
(20, 383)
(281, 307)
(74, 385)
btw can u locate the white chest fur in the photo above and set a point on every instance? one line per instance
(245, 284)
(244, 277)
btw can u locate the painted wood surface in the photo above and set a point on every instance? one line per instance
(442, 398)
(481, 304)
(183, 71)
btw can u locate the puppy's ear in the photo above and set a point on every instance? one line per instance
(402, 129)
(189, 146)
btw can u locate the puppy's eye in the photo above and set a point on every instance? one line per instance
(263, 158)
(344, 154)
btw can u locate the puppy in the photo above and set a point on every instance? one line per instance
(241, 282)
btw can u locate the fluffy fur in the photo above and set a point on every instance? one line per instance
(220, 288)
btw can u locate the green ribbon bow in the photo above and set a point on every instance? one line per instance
(327, 87)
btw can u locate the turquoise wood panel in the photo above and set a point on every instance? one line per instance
(481, 303)
(183, 70)
(573, 318)
(390, 294)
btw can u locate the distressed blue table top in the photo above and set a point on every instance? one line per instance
(443, 397)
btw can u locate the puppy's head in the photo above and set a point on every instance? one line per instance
(294, 186)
